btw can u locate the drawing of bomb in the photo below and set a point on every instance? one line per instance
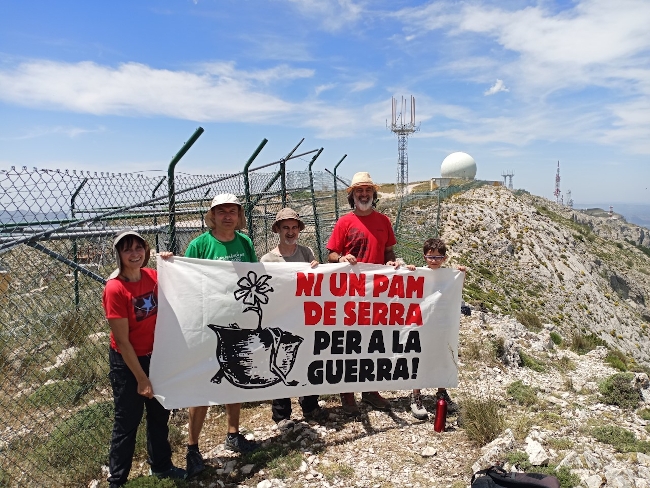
(254, 358)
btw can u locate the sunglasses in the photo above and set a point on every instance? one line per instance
(434, 258)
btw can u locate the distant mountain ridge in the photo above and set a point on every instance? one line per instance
(638, 214)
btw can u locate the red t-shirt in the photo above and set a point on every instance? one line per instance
(366, 238)
(137, 302)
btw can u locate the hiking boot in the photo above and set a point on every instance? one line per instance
(172, 473)
(194, 463)
(349, 404)
(285, 425)
(417, 409)
(452, 406)
(318, 414)
(375, 400)
(239, 443)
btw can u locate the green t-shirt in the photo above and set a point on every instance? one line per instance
(206, 246)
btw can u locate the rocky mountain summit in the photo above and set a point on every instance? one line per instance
(553, 367)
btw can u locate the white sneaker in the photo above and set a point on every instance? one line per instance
(417, 409)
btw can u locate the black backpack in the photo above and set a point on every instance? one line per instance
(496, 476)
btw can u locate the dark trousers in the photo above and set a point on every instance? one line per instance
(129, 406)
(281, 408)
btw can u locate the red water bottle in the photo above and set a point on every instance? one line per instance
(441, 415)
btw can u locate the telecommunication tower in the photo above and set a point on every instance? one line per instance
(508, 174)
(557, 193)
(403, 130)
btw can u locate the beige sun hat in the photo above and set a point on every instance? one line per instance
(286, 214)
(362, 178)
(224, 199)
(118, 237)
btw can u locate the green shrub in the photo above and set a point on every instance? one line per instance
(618, 390)
(531, 363)
(89, 367)
(499, 347)
(153, 482)
(556, 338)
(644, 413)
(529, 320)
(58, 394)
(621, 439)
(481, 419)
(523, 394)
(617, 359)
(583, 343)
(78, 446)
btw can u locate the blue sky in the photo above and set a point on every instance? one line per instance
(519, 85)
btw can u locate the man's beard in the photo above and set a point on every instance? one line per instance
(290, 242)
(364, 207)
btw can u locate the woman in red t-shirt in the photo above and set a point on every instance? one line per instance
(131, 306)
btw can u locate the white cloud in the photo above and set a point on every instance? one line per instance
(361, 86)
(499, 86)
(71, 132)
(332, 14)
(322, 88)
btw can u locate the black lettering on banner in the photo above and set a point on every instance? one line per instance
(376, 342)
(315, 373)
(353, 342)
(337, 342)
(366, 370)
(397, 345)
(413, 342)
(384, 366)
(321, 342)
(331, 376)
(401, 369)
(350, 371)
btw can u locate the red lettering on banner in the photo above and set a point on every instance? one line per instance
(379, 314)
(313, 313)
(309, 283)
(350, 314)
(364, 313)
(396, 287)
(358, 285)
(396, 314)
(379, 284)
(340, 289)
(413, 315)
(414, 285)
(329, 317)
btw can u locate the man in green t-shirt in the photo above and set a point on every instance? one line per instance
(223, 242)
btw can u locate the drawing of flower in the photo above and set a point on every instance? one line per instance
(254, 292)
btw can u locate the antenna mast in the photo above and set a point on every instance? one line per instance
(557, 185)
(403, 130)
(508, 175)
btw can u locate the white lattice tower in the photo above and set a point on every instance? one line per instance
(403, 130)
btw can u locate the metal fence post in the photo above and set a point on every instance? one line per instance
(247, 189)
(155, 218)
(74, 245)
(313, 206)
(336, 193)
(173, 245)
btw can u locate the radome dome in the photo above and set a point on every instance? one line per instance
(458, 165)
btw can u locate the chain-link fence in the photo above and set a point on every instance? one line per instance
(56, 230)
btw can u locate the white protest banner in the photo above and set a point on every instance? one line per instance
(231, 332)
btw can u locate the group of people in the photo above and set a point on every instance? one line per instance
(364, 235)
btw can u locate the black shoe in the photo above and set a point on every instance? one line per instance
(239, 443)
(195, 464)
(318, 414)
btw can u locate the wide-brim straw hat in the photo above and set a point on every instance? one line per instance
(362, 179)
(118, 237)
(286, 214)
(224, 199)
